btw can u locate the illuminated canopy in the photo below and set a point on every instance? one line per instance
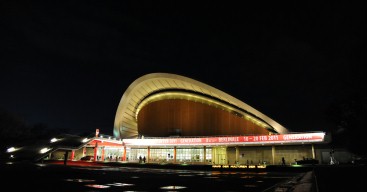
(158, 86)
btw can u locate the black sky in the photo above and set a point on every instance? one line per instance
(67, 65)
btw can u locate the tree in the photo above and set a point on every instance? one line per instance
(12, 128)
(349, 118)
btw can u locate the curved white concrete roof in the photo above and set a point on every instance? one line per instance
(125, 125)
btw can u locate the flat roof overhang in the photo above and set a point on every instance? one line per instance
(104, 142)
(258, 140)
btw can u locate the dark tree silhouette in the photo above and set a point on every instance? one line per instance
(14, 131)
(12, 128)
(349, 118)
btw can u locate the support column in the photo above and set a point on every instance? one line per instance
(95, 151)
(174, 154)
(204, 154)
(227, 160)
(84, 151)
(313, 151)
(214, 155)
(273, 154)
(124, 154)
(237, 154)
(72, 155)
(102, 155)
(148, 155)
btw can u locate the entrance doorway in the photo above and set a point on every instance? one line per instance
(220, 155)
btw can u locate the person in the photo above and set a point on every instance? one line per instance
(139, 159)
(283, 161)
(144, 159)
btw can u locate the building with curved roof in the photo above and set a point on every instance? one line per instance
(163, 104)
(186, 121)
(171, 118)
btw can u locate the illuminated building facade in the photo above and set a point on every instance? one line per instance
(171, 118)
(167, 118)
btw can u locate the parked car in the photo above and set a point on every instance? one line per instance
(87, 158)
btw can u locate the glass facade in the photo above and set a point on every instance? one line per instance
(166, 155)
(134, 154)
(109, 154)
(161, 155)
(194, 155)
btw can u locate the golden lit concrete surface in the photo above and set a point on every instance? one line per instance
(143, 90)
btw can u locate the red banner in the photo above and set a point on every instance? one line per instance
(258, 139)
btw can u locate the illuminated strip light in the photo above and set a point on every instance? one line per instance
(110, 141)
(192, 97)
(218, 144)
(234, 140)
(239, 166)
(255, 120)
(170, 95)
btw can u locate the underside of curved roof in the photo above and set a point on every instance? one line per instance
(125, 125)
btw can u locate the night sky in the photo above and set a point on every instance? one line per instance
(67, 65)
